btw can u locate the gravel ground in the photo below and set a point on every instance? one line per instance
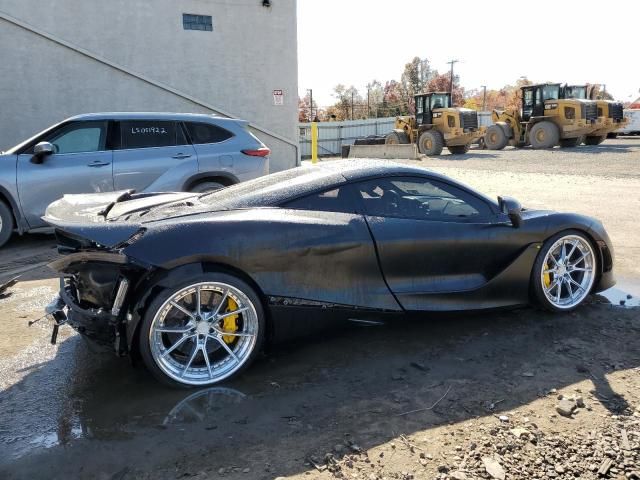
(519, 394)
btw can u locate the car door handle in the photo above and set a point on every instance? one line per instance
(180, 156)
(98, 163)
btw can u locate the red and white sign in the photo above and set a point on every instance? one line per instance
(278, 97)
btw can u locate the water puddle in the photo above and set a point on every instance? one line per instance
(626, 293)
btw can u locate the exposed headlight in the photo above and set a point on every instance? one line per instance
(437, 114)
(550, 106)
(570, 113)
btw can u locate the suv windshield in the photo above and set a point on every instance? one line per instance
(440, 100)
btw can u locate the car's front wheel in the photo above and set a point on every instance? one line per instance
(203, 331)
(564, 271)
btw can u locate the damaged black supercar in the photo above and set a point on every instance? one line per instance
(195, 284)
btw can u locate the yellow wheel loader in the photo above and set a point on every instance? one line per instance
(610, 113)
(435, 125)
(544, 121)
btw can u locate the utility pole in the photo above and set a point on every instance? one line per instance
(310, 90)
(368, 103)
(352, 95)
(452, 63)
(484, 97)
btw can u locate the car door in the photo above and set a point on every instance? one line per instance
(335, 257)
(82, 163)
(433, 238)
(154, 156)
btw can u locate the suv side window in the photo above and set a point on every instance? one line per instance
(79, 137)
(335, 200)
(149, 134)
(422, 199)
(202, 133)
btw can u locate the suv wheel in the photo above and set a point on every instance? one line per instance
(205, 187)
(6, 223)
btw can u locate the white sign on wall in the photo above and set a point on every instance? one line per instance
(278, 97)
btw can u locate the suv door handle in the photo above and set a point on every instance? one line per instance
(180, 156)
(98, 163)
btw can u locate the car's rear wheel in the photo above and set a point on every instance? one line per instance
(564, 272)
(6, 223)
(203, 331)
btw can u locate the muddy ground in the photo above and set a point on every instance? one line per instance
(421, 398)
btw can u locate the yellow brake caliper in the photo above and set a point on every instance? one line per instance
(547, 278)
(230, 324)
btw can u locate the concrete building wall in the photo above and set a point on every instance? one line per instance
(64, 57)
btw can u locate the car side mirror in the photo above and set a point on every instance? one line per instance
(41, 150)
(512, 208)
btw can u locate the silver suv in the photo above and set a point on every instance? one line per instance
(105, 152)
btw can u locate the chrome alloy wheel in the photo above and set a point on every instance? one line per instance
(204, 333)
(568, 271)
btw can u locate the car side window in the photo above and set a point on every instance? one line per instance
(422, 199)
(148, 134)
(334, 200)
(80, 137)
(203, 133)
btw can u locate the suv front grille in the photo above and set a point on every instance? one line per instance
(469, 120)
(589, 111)
(615, 110)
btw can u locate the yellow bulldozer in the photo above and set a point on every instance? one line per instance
(610, 113)
(545, 120)
(435, 125)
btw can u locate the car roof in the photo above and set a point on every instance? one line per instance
(280, 187)
(185, 117)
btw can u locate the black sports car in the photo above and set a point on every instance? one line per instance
(195, 283)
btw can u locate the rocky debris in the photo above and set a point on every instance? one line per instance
(568, 405)
(458, 475)
(493, 468)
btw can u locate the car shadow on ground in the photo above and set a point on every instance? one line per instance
(100, 417)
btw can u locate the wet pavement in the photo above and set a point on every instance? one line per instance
(81, 414)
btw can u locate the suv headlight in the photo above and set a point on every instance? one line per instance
(570, 113)
(550, 106)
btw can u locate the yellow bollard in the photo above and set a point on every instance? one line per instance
(314, 142)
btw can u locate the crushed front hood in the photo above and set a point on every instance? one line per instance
(91, 216)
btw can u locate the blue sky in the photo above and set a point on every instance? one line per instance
(356, 41)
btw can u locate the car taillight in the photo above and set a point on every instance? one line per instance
(257, 152)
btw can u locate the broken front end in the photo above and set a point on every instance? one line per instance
(95, 287)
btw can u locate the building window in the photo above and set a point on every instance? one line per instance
(197, 22)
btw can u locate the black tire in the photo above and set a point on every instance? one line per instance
(396, 138)
(569, 142)
(431, 142)
(459, 149)
(205, 187)
(535, 281)
(144, 343)
(7, 224)
(544, 135)
(581, 139)
(495, 138)
(595, 140)
(612, 135)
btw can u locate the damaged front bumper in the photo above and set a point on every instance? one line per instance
(94, 290)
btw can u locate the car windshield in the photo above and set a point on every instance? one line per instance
(551, 92)
(439, 100)
(270, 189)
